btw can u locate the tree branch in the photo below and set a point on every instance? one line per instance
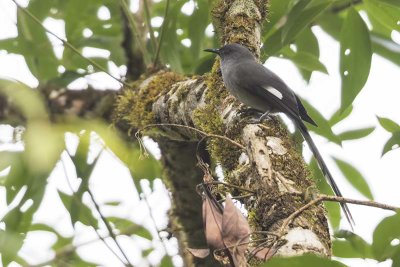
(88, 103)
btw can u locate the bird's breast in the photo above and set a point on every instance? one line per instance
(236, 85)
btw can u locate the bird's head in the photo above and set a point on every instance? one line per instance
(232, 51)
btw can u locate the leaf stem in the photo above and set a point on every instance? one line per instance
(135, 31)
(164, 25)
(109, 228)
(148, 21)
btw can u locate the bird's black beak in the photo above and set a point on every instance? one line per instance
(212, 50)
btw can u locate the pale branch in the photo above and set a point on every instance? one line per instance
(210, 135)
(321, 198)
(369, 203)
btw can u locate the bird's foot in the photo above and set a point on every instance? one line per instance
(267, 116)
(246, 112)
(254, 116)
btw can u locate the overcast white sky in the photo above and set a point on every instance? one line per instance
(380, 97)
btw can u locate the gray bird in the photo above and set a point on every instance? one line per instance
(261, 89)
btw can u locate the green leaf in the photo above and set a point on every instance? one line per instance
(393, 3)
(273, 43)
(306, 61)
(166, 262)
(278, 8)
(323, 129)
(354, 177)
(8, 158)
(10, 244)
(20, 94)
(113, 203)
(338, 116)
(39, 55)
(356, 134)
(302, 15)
(388, 16)
(302, 261)
(386, 48)
(389, 125)
(43, 227)
(307, 42)
(204, 64)
(197, 24)
(332, 207)
(170, 47)
(353, 247)
(392, 143)
(77, 210)
(355, 57)
(386, 231)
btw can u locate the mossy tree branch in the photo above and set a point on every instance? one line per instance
(271, 167)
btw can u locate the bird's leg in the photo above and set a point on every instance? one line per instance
(248, 112)
(264, 116)
(254, 116)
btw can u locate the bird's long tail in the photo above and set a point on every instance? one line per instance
(304, 131)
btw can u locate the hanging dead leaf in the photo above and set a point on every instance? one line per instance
(199, 252)
(235, 232)
(212, 221)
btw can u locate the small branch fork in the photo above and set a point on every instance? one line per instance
(321, 198)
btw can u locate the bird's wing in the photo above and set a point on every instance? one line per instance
(268, 86)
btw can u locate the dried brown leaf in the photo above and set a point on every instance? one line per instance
(235, 231)
(212, 220)
(199, 252)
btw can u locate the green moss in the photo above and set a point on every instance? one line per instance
(208, 119)
(134, 105)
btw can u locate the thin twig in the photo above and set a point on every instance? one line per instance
(335, 199)
(233, 186)
(195, 130)
(79, 201)
(109, 228)
(67, 44)
(68, 249)
(135, 30)
(359, 202)
(155, 224)
(148, 21)
(162, 33)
